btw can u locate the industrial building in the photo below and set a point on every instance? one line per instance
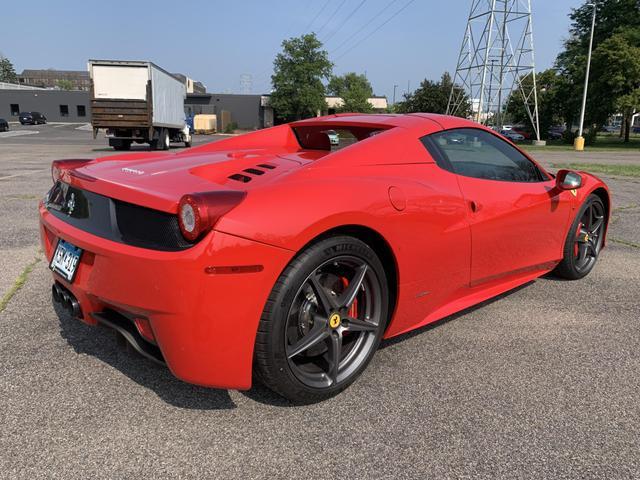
(55, 105)
(248, 112)
(50, 78)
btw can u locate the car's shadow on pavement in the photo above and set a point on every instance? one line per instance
(466, 311)
(103, 344)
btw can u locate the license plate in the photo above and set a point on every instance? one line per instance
(65, 260)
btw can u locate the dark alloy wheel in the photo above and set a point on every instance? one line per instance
(323, 321)
(584, 240)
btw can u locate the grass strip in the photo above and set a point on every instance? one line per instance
(623, 170)
(17, 285)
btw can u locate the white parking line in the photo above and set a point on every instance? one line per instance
(23, 174)
(17, 133)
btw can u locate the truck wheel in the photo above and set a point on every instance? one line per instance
(165, 142)
(120, 144)
(124, 145)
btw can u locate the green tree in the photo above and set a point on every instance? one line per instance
(548, 91)
(354, 89)
(616, 76)
(64, 84)
(299, 71)
(433, 97)
(628, 105)
(7, 72)
(613, 17)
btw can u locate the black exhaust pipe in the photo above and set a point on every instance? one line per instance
(66, 299)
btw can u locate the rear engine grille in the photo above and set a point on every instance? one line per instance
(148, 228)
(115, 220)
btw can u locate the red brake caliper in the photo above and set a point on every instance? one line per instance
(353, 309)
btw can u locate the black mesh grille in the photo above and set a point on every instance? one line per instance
(143, 227)
(116, 220)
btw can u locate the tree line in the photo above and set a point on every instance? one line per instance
(303, 68)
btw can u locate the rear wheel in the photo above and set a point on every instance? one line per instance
(120, 145)
(165, 141)
(584, 240)
(323, 320)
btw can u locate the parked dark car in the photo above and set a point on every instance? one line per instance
(554, 135)
(32, 118)
(4, 126)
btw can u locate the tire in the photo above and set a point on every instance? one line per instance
(123, 146)
(584, 240)
(165, 141)
(308, 321)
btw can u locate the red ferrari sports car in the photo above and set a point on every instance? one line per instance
(280, 254)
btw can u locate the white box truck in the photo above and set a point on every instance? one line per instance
(137, 102)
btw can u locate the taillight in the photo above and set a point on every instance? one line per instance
(59, 166)
(199, 212)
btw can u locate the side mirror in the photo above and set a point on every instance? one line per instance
(568, 180)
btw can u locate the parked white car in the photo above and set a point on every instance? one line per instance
(334, 138)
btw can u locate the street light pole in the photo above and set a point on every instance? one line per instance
(579, 142)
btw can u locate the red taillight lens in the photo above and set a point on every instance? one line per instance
(59, 166)
(199, 212)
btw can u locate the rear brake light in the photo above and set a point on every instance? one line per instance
(59, 166)
(199, 212)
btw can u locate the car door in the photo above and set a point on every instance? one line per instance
(518, 218)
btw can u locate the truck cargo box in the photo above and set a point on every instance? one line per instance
(127, 94)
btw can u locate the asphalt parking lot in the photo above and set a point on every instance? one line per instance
(542, 382)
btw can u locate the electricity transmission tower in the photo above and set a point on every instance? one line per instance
(496, 61)
(246, 83)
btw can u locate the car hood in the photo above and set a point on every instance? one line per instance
(159, 180)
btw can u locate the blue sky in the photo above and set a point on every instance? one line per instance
(218, 41)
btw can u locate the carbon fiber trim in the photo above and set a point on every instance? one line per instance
(115, 220)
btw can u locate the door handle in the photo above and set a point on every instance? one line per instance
(474, 206)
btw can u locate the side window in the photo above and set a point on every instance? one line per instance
(475, 153)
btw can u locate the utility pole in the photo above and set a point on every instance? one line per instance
(394, 94)
(578, 144)
(499, 34)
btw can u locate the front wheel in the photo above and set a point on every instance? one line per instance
(584, 240)
(323, 320)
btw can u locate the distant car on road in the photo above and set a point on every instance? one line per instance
(611, 128)
(31, 118)
(4, 126)
(334, 138)
(511, 135)
(524, 133)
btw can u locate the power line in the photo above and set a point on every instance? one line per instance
(375, 30)
(331, 16)
(353, 35)
(316, 16)
(344, 21)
